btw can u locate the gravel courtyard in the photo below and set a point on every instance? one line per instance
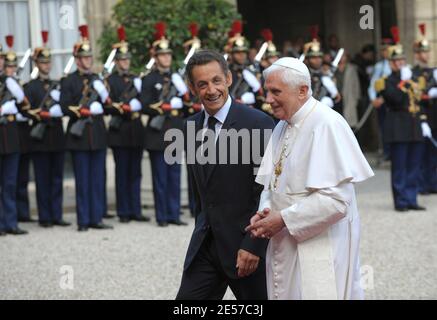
(142, 261)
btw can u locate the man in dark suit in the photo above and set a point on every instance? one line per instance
(220, 253)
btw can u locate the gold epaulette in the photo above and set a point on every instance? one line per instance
(75, 109)
(380, 84)
(135, 115)
(266, 107)
(157, 107)
(117, 106)
(421, 82)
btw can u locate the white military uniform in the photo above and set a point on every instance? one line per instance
(316, 255)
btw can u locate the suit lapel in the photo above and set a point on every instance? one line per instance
(199, 126)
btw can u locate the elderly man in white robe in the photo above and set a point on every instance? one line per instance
(308, 208)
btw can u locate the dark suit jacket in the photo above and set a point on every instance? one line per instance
(227, 199)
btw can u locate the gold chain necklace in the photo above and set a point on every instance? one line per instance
(278, 166)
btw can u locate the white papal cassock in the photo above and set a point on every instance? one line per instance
(316, 255)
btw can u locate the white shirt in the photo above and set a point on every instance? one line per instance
(221, 116)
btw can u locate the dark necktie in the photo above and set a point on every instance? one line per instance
(212, 121)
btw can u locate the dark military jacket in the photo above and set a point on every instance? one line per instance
(125, 130)
(9, 134)
(404, 113)
(157, 89)
(424, 76)
(53, 139)
(73, 88)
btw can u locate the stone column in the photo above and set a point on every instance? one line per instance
(426, 12)
(97, 13)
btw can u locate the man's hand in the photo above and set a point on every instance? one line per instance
(377, 103)
(126, 108)
(166, 107)
(266, 227)
(84, 112)
(45, 115)
(258, 216)
(247, 263)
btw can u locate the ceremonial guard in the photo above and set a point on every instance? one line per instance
(12, 100)
(126, 133)
(381, 69)
(2, 61)
(193, 106)
(404, 128)
(82, 97)
(269, 57)
(47, 138)
(323, 85)
(271, 54)
(427, 77)
(246, 86)
(162, 98)
(190, 47)
(24, 127)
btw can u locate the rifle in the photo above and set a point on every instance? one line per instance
(23, 62)
(129, 93)
(89, 95)
(240, 88)
(167, 93)
(5, 96)
(149, 67)
(109, 64)
(47, 102)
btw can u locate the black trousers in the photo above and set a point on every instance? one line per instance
(206, 280)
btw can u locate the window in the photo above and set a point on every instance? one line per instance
(60, 17)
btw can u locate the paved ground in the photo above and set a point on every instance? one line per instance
(142, 261)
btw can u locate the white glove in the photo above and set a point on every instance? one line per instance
(101, 90)
(327, 101)
(138, 84)
(55, 94)
(179, 83)
(135, 105)
(432, 93)
(330, 86)
(176, 103)
(406, 73)
(15, 89)
(9, 107)
(21, 118)
(426, 130)
(434, 73)
(248, 98)
(96, 108)
(251, 80)
(56, 111)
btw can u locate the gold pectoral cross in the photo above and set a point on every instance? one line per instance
(278, 169)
